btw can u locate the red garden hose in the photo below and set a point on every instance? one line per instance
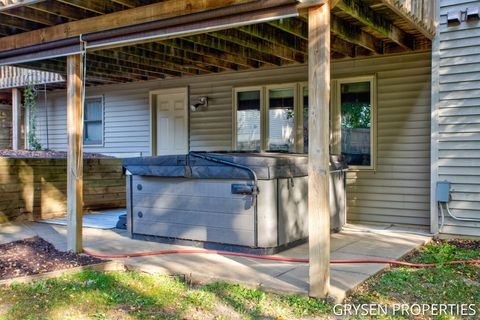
(273, 258)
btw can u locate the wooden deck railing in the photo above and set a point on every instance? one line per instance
(418, 12)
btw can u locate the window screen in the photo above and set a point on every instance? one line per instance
(248, 120)
(281, 122)
(93, 121)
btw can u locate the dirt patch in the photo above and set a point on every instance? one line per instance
(34, 256)
(46, 154)
(465, 244)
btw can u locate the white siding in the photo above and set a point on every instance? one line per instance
(397, 192)
(458, 117)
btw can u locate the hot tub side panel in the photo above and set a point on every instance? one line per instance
(292, 209)
(199, 210)
(267, 219)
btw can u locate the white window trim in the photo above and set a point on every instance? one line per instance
(234, 113)
(102, 143)
(373, 116)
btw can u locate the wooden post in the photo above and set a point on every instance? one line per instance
(318, 149)
(16, 118)
(74, 152)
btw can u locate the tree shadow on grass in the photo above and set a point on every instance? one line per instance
(97, 295)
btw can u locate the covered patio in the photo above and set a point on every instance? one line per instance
(117, 42)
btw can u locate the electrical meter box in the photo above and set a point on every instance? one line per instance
(443, 191)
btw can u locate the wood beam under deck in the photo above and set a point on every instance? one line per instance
(204, 50)
(143, 14)
(339, 27)
(246, 40)
(62, 10)
(160, 53)
(377, 22)
(136, 56)
(234, 48)
(36, 16)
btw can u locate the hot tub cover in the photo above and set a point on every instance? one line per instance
(265, 165)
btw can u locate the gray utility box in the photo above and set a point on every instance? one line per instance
(190, 199)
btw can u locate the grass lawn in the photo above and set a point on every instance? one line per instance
(132, 295)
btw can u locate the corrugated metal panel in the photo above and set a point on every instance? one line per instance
(397, 192)
(458, 118)
(13, 77)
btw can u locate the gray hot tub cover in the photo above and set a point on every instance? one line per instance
(265, 165)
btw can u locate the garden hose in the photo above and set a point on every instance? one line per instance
(275, 258)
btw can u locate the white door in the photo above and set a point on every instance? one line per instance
(172, 123)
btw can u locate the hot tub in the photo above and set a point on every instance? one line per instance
(249, 202)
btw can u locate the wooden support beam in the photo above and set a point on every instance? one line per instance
(318, 149)
(16, 118)
(74, 152)
(143, 14)
(376, 22)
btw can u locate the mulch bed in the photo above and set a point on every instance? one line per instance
(46, 154)
(34, 256)
(466, 244)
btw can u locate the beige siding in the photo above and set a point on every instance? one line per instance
(397, 192)
(458, 121)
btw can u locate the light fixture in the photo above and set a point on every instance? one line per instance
(202, 102)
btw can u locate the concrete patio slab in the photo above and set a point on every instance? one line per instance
(286, 277)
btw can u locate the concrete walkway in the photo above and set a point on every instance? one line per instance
(285, 277)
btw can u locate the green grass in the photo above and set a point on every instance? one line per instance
(459, 284)
(133, 295)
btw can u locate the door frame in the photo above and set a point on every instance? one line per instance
(153, 114)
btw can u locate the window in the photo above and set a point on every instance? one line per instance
(93, 121)
(281, 119)
(248, 125)
(356, 105)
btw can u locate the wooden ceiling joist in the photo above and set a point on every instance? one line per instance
(234, 48)
(203, 50)
(358, 27)
(10, 4)
(143, 14)
(377, 22)
(245, 40)
(33, 15)
(62, 10)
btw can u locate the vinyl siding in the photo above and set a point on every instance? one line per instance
(458, 117)
(397, 192)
